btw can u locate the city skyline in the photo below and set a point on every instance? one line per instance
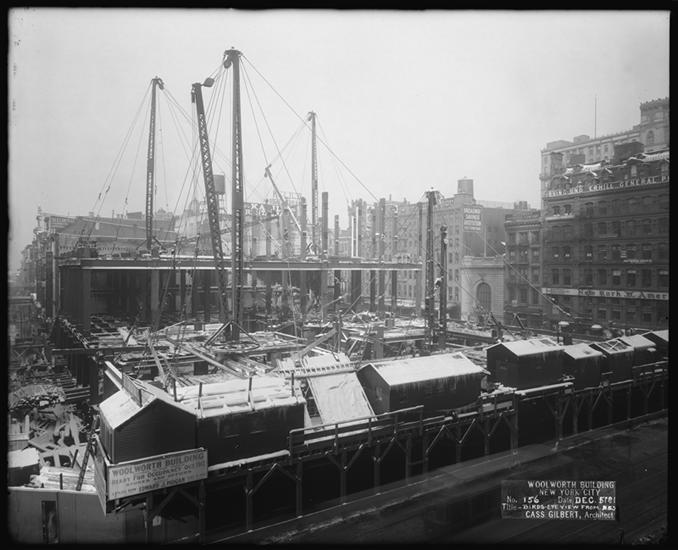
(73, 105)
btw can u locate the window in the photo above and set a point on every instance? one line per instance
(646, 252)
(512, 238)
(484, 296)
(567, 232)
(647, 317)
(523, 255)
(615, 315)
(634, 171)
(648, 202)
(646, 278)
(556, 210)
(631, 277)
(662, 251)
(534, 237)
(567, 209)
(456, 257)
(535, 274)
(522, 237)
(588, 277)
(647, 226)
(633, 204)
(456, 274)
(567, 276)
(587, 229)
(631, 228)
(555, 252)
(535, 254)
(535, 297)
(602, 314)
(602, 276)
(602, 208)
(602, 252)
(523, 296)
(663, 278)
(602, 228)
(615, 252)
(566, 252)
(649, 139)
(512, 255)
(616, 277)
(663, 225)
(456, 293)
(555, 277)
(512, 293)
(588, 252)
(588, 209)
(630, 251)
(615, 228)
(630, 315)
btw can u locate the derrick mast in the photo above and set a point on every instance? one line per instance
(429, 296)
(150, 164)
(210, 193)
(232, 58)
(443, 286)
(314, 185)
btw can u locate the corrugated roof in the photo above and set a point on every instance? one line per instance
(580, 351)
(432, 367)
(638, 341)
(530, 347)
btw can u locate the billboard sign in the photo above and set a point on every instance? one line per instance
(149, 474)
(472, 218)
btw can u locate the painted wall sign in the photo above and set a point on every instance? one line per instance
(558, 499)
(608, 293)
(472, 220)
(596, 187)
(140, 476)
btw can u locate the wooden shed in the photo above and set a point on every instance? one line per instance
(438, 382)
(147, 424)
(661, 342)
(526, 363)
(644, 349)
(583, 363)
(236, 420)
(617, 360)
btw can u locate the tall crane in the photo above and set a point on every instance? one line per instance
(210, 193)
(429, 296)
(150, 164)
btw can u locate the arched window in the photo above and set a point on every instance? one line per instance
(484, 296)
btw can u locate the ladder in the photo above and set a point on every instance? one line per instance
(88, 451)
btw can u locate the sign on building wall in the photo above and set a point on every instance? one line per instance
(606, 293)
(472, 218)
(596, 187)
(149, 474)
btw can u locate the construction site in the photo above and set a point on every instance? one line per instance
(199, 380)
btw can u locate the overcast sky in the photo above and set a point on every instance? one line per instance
(406, 100)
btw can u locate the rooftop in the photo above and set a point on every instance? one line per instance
(530, 347)
(432, 367)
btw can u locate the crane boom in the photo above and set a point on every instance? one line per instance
(283, 200)
(150, 165)
(210, 193)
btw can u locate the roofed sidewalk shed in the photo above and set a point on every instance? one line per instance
(438, 382)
